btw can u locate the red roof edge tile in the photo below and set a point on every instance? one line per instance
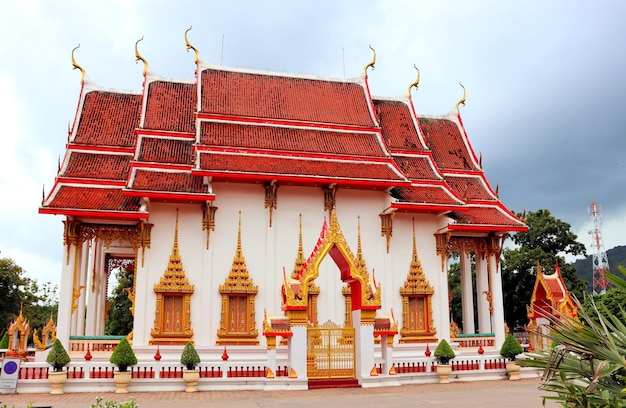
(164, 195)
(94, 213)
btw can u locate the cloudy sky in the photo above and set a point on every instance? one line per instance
(546, 86)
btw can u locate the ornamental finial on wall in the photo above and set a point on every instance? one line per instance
(138, 57)
(417, 81)
(191, 47)
(462, 100)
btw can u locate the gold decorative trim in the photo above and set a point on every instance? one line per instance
(372, 62)
(352, 268)
(386, 226)
(172, 322)
(238, 287)
(462, 100)
(76, 232)
(417, 81)
(417, 288)
(76, 66)
(330, 193)
(138, 57)
(208, 219)
(191, 47)
(271, 200)
(18, 331)
(48, 335)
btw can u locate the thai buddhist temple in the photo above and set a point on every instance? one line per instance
(261, 209)
(550, 298)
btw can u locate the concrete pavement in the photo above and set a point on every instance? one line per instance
(483, 394)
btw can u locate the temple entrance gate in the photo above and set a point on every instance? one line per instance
(330, 352)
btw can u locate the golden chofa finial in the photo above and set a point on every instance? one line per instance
(43, 194)
(138, 57)
(372, 62)
(191, 47)
(76, 66)
(417, 81)
(462, 100)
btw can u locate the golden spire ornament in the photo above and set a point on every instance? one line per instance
(462, 100)
(76, 66)
(191, 47)
(138, 57)
(372, 62)
(417, 81)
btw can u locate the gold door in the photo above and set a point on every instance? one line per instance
(330, 352)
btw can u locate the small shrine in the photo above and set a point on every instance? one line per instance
(550, 298)
(19, 329)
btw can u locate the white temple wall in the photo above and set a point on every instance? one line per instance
(268, 250)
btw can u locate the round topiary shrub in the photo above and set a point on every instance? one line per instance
(511, 348)
(443, 352)
(123, 356)
(58, 357)
(189, 357)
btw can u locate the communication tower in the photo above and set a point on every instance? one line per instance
(600, 260)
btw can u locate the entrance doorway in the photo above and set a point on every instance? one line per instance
(330, 352)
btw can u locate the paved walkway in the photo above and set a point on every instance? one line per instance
(484, 394)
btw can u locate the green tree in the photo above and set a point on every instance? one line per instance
(546, 242)
(120, 321)
(15, 292)
(613, 300)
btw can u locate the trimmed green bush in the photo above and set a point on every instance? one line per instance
(443, 352)
(190, 358)
(58, 357)
(511, 348)
(4, 343)
(123, 356)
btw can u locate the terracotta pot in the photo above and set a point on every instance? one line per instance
(191, 378)
(57, 379)
(122, 379)
(444, 371)
(512, 370)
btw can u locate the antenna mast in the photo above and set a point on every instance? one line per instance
(600, 260)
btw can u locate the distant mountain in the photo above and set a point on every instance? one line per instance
(584, 267)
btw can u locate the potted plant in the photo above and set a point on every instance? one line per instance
(57, 358)
(443, 354)
(190, 359)
(123, 357)
(510, 349)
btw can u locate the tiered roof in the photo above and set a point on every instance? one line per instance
(550, 296)
(174, 139)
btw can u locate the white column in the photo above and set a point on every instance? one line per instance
(482, 286)
(271, 358)
(297, 350)
(64, 312)
(364, 343)
(442, 303)
(467, 293)
(142, 318)
(92, 293)
(387, 353)
(497, 300)
(82, 284)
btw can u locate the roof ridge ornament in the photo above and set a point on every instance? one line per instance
(138, 57)
(76, 66)
(372, 62)
(462, 100)
(417, 81)
(191, 47)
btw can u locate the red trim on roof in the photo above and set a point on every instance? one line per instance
(93, 213)
(90, 182)
(166, 195)
(160, 166)
(99, 149)
(501, 228)
(285, 123)
(165, 134)
(417, 207)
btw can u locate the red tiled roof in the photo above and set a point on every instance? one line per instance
(150, 180)
(92, 198)
(97, 166)
(416, 168)
(284, 98)
(109, 119)
(444, 138)
(290, 139)
(171, 106)
(471, 188)
(424, 195)
(225, 164)
(165, 150)
(397, 125)
(484, 216)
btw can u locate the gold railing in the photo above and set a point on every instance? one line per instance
(330, 352)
